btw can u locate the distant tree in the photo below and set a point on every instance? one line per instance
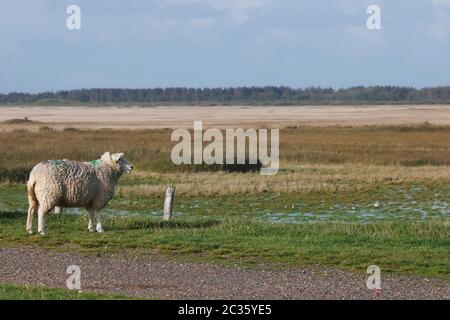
(245, 95)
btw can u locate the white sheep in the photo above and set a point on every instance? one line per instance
(66, 183)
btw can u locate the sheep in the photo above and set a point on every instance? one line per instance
(65, 183)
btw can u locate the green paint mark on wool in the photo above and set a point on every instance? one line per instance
(96, 163)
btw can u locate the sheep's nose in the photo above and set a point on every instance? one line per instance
(131, 167)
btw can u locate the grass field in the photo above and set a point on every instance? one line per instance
(344, 197)
(150, 149)
(399, 247)
(15, 292)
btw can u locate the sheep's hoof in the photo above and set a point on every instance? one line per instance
(30, 231)
(42, 233)
(91, 229)
(100, 230)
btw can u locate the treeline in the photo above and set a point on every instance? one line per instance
(238, 95)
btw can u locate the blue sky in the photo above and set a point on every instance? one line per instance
(209, 43)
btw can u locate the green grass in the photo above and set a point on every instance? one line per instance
(22, 292)
(230, 230)
(394, 202)
(421, 248)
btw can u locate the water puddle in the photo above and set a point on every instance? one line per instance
(376, 211)
(405, 204)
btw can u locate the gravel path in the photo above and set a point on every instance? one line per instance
(159, 277)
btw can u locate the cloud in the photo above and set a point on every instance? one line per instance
(445, 3)
(237, 10)
(439, 29)
(350, 7)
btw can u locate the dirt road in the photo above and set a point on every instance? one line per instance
(159, 277)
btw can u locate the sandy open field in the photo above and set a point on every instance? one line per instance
(224, 116)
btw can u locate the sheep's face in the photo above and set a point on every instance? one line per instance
(124, 165)
(119, 160)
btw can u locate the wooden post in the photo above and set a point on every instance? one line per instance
(168, 203)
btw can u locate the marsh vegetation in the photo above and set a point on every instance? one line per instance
(345, 197)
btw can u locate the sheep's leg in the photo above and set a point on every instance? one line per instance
(41, 220)
(33, 206)
(98, 217)
(91, 214)
(31, 211)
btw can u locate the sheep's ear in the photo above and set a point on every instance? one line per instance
(116, 156)
(106, 156)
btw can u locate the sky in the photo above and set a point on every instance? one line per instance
(221, 43)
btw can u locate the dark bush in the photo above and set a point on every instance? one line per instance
(16, 175)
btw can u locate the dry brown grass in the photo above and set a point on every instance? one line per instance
(332, 145)
(409, 146)
(293, 179)
(312, 159)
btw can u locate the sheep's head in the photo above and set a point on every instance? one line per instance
(119, 161)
